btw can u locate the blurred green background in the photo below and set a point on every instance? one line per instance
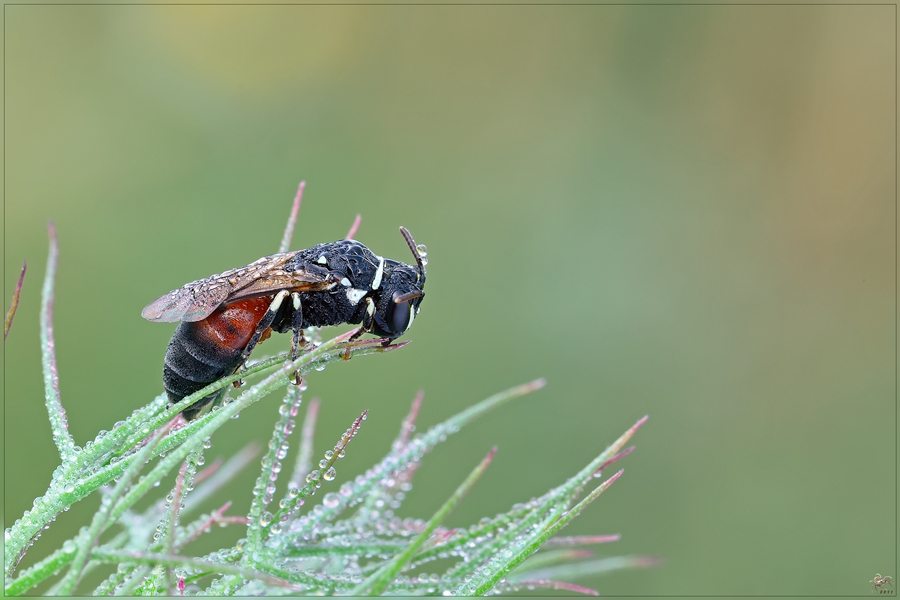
(680, 211)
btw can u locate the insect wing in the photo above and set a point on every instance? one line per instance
(189, 303)
(197, 300)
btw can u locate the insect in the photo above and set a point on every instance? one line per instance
(879, 581)
(225, 316)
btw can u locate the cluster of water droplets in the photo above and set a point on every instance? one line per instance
(71, 480)
(194, 459)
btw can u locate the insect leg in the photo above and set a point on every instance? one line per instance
(367, 320)
(296, 326)
(365, 327)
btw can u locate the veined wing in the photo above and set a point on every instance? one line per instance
(197, 300)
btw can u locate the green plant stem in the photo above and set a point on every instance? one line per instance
(418, 446)
(261, 497)
(168, 560)
(58, 424)
(304, 457)
(379, 580)
(101, 519)
(51, 504)
(582, 569)
(546, 534)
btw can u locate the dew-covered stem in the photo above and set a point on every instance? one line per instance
(58, 422)
(169, 560)
(296, 498)
(498, 574)
(264, 490)
(102, 517)
(303, 465)
(379, 580)
(213, 483)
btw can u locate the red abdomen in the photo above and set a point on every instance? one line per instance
(232, 326)
(204, 351)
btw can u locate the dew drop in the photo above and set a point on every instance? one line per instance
(329, 474)
(331, 500)
(312, 476)
(265, 518)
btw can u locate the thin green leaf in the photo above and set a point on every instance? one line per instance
(379, 580)
(102, 518)
(58, 422)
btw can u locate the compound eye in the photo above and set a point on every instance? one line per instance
(399, 317)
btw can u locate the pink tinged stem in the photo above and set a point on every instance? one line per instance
(581, 540)
(438, 538)
(292, 220)
(14, 303)
(409, 424)
(558, 585)
(354, 227)
(173, 521)
(59, 424)
(613, 459)
(612, 452)
(234, 520)
(208, 471)
(215, 517)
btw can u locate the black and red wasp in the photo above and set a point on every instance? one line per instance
(225, 316)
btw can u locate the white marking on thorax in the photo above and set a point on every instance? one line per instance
(296, 298)
(354, 295)
(378, 273)
(322, 260)
(345, 282)
(370, 306)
